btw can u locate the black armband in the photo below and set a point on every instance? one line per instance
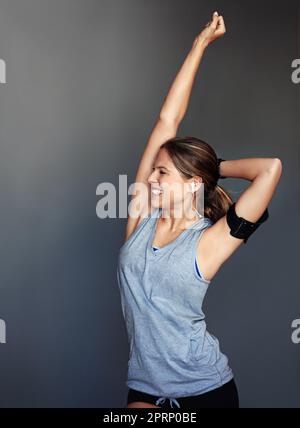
(240, 227)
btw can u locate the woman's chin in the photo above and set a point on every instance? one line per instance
(156, 203)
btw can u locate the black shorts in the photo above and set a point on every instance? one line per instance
(225, 396)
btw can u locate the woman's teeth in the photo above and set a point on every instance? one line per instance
(156, 192)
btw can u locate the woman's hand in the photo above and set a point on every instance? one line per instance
(212, 31)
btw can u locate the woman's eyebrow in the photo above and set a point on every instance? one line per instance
(161, 166)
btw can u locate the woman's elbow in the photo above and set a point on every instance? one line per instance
(275, 167)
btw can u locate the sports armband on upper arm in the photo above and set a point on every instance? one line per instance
(240, 227)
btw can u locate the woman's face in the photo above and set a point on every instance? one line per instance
(169, 189)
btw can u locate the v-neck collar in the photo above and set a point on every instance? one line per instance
(170, 244)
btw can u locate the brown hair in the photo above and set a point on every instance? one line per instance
(194, 157)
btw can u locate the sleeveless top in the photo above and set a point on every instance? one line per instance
(171, 352)
(196, 263)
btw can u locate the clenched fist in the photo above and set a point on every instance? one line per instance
(213, 30)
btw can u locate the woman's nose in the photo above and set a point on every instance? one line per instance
(151, 178)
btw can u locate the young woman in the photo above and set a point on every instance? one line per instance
(168, 261)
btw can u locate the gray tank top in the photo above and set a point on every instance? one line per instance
(171, 352)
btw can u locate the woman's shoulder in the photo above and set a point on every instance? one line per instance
(133, 224)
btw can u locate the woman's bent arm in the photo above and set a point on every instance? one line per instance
(217, 244)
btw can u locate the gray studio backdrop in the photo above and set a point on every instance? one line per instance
(85, 80)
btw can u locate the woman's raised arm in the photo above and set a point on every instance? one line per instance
(171, 114)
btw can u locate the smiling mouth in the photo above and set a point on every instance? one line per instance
(156, 192)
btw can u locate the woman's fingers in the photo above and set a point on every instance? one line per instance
(215, 20)
(214, 28)
(221, 25)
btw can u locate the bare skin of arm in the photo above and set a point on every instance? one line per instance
(171, 114)
(216, 244)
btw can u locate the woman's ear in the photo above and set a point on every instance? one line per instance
(196, 184)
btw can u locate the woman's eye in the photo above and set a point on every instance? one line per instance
(161, 172)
